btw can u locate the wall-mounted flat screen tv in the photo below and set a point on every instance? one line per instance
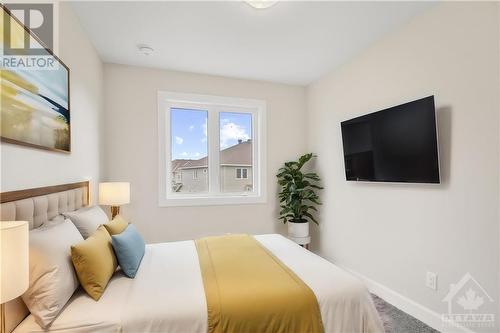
(398, 144)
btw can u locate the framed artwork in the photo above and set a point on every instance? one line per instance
(34, 102)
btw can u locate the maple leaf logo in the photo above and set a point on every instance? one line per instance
(470, 301)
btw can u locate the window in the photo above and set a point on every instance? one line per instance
(241, 173)
(188, 152)
(212, 150)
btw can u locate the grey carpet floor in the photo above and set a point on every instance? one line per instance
(397, 321)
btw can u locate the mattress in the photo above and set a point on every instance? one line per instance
(167, 294)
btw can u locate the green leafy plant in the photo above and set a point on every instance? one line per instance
(298, 195)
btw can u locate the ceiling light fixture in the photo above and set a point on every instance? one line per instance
(261, 4)
(146, 50)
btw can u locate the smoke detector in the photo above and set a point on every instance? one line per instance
(145, 50)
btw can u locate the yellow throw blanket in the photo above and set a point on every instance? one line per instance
(249, 290)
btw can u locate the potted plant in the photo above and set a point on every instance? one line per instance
(298, 196)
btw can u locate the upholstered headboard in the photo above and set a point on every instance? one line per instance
(38, 206)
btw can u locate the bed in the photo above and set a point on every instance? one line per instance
(167, 294)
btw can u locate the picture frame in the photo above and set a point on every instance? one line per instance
(35, 109)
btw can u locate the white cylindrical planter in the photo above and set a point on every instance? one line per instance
(298, 230)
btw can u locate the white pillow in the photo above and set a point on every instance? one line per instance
(56, 220)
(52, 277)
(88, 219)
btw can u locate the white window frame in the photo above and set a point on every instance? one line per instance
(214, 105)
(195, 174)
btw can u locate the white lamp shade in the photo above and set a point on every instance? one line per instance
(114, 194)
(14, 259)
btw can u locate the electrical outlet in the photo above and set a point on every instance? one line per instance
(431, 280)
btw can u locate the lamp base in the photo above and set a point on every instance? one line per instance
(115, 210)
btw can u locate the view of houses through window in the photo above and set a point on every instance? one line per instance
(189, 151)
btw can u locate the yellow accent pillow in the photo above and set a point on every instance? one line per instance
(117, 225)
(94, 262)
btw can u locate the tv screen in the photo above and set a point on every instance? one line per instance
(398, 144)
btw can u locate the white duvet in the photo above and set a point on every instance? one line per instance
(167, 294)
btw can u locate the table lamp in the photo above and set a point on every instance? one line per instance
(14, 264)
(114, 194)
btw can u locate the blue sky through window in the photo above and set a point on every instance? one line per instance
(189, 131)
(234, 127)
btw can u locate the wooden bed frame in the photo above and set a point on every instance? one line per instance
(37, 191)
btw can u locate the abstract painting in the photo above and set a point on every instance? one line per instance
(34, 101)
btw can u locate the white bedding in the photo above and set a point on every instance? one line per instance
(167, 294)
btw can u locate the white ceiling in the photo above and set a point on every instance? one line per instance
(291, 42)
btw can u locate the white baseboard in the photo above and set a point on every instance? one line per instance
(417, 310)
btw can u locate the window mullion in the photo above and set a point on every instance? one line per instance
(165, 131)
(213, 148)
(255, 152)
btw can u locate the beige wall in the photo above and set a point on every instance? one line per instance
(394, 233)
(131, 149)
(23, 167)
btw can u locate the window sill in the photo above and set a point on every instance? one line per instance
(183, 201)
